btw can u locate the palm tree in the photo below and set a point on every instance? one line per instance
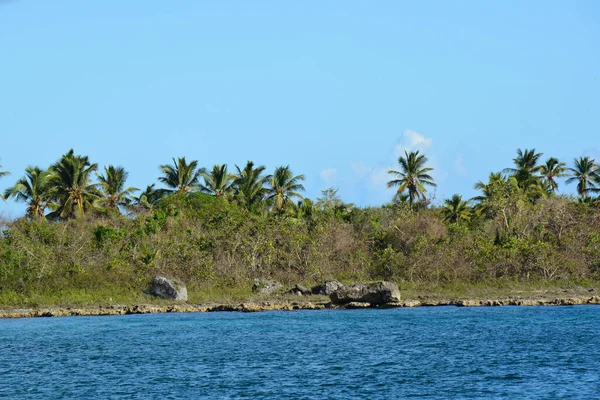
(283, 186)
(112, 185)
(180, 177)
(526, 168)
(550, 170)
(71, 187)
(3, 173)
(412, 177)
(587, 175)
(32, 189)
(249, 185)
(456, 210)
(218, 182)
(147, 199)
(485, 188)
(487, 191)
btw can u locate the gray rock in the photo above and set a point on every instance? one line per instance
(327, 288)
(266, 286)
(374, 293)
(168, 288)
(300, 290)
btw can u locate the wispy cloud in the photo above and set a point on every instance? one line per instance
(411, 141)
(367, 182)
(329, 176)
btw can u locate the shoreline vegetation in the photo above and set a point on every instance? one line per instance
(90, 244)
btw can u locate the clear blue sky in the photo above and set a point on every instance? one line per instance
(334, 88)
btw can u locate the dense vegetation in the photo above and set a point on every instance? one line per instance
(88, 237)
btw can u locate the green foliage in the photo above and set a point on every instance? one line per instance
(104, 235)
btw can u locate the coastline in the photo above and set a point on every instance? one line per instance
(279, 305)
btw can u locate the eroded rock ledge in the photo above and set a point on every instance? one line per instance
(286, 306)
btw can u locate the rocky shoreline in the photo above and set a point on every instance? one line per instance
(277, 305)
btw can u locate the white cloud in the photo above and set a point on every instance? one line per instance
(410, 141)
(366, 183)
(329, 176)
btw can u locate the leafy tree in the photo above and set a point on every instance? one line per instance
(33, 189)
(180, 177)
(456, 210)
(3, 173)
(306, 210)
(147, 199)
(329, 199)
(112, 186)
(284, 186)
(71, 186)
(218, 182)
(587, 175)
(551, 170)
(412, 177)
(249, 185)
(526, 168)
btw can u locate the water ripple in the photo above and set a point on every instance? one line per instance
(438, 353)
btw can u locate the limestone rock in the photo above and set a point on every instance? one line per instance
(374, 293)
(266, 286)
(168, 289)
(327, 288)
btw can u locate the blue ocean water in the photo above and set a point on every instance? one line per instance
(438, 353)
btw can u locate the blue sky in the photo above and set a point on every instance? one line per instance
(336, 89)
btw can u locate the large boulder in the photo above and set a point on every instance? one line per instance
(327, 288)
(374, 293)
(168, 288)
(266, 286)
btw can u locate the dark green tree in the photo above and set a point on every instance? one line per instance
(71, 186)
(456, 210)
(3, 173)
(526, 170)
(218, 182)
(114, 194)
(147, 199)
(412, 177)
(587, 175)
(551, 170)
(33, 189)
(283, 187)
(249, 186)
(180, 177)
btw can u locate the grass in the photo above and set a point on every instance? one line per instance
(235, 294)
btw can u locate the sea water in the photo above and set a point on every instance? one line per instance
(437, 352)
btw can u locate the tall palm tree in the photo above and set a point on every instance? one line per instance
(3, 173)
(218, 182)
(527, 168)
(456, 210)
(249, 185)
(112, 186)
(33, 189)
(284, 186)
(180, 177)
(551, 170)
(71, 186)
(147, 199)
(587, 175)
(412, 177)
